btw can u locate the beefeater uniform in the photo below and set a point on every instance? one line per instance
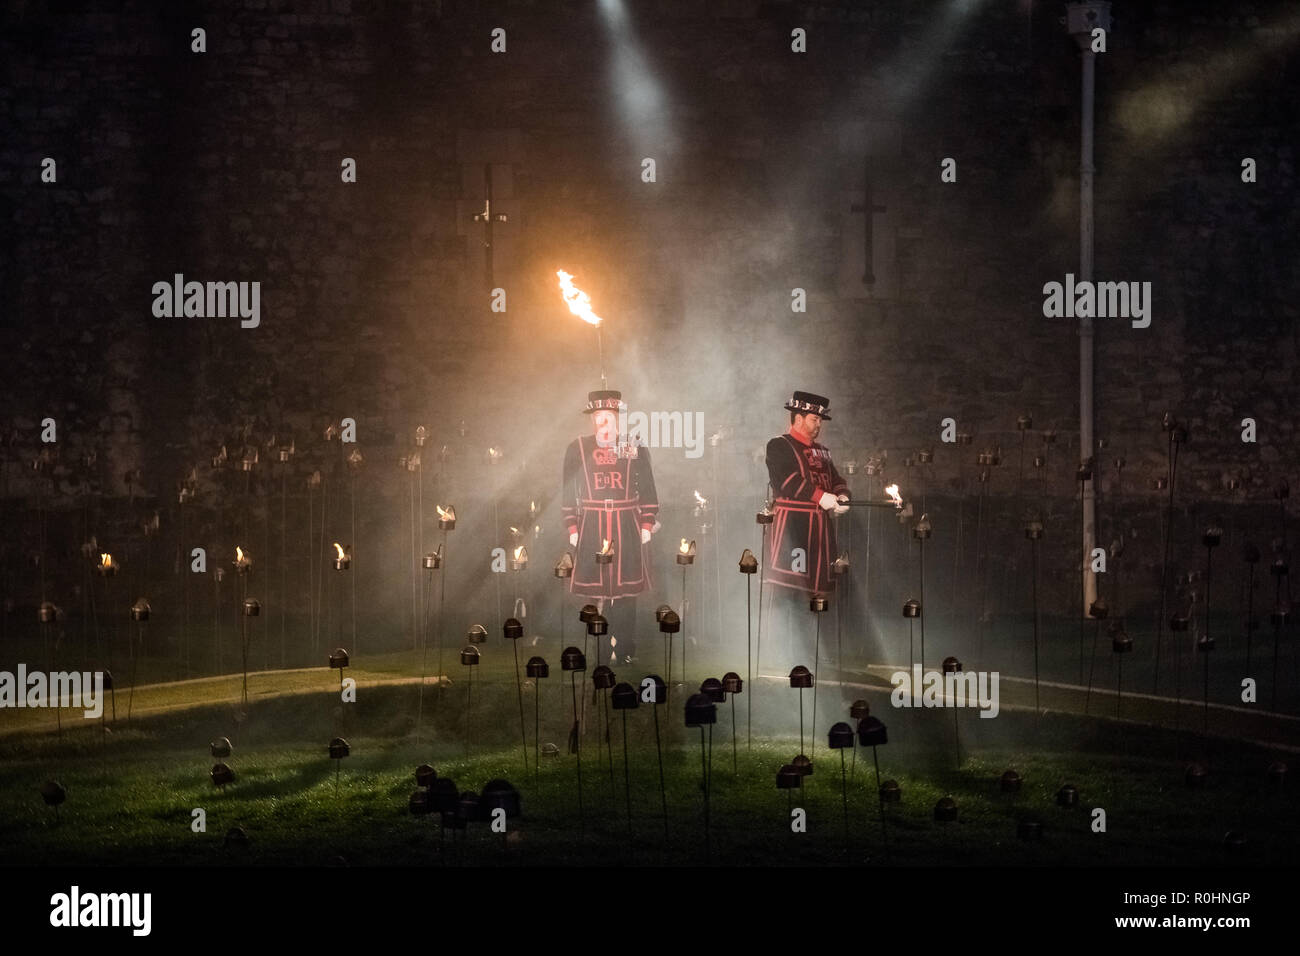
(800, 473)
(609, 493)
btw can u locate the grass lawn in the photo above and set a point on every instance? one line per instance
(131, 791)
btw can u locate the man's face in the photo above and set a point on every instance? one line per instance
(810, 425)
(604, 425)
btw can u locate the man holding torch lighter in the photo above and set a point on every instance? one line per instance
(807, 491)
(609, 505)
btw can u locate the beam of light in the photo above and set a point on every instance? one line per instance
(639, 96)
(1167, 104)
(615, 14)
(914, 66)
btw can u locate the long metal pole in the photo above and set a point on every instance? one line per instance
(284, 601)
(749, 660)
(1086, 442)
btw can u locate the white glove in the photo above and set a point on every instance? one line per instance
(827, 501)
(645, 535)
(573, 540)
(843, 505)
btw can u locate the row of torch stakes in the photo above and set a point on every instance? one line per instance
(670, 622)
(457, 810)
(1176, 622)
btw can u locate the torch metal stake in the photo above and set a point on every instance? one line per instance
(734, 766)
(320, 574)
(311, 569)
(595, 694)
(537, 728)
(685, 679)
(1083, 600)
(979, 580)
(668, 687)
(1033, 544)
(866, 573)
(1277, 639)
(816, 666)
(627, 780)
(922, 542)
(49, 653)
(581, 723)
(704, 769)
(844, 794)
(519, 688)
(717, 544)
(663, 791)
(1250, 614)
(442, 604)
(1092, 667)
(600, 351)
(758, 641)
(131, 696)
(839, 644)
(577, 747)
(352, 581)
(244, 658)
(1205, 726)
(956, 733)
(284, 601)
(469, 708)
(609, 751)
(1178, 678)
(414, 557)
(801, 723)
(749, 661)
(880, 797)
(1119, 682)
(424, 658)
(1164, 566)
(496, 536)
(560, 683)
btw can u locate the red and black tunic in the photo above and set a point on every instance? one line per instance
(608, 495)
(800, 473)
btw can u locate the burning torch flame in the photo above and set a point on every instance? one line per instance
(700, 499)
(240, 557)
(892, 491)
(339, 548)
(446, 512)
(685, 547)
(605, 548)
(514, 532)
(105, 560)
(578, 301)
(519, 553)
